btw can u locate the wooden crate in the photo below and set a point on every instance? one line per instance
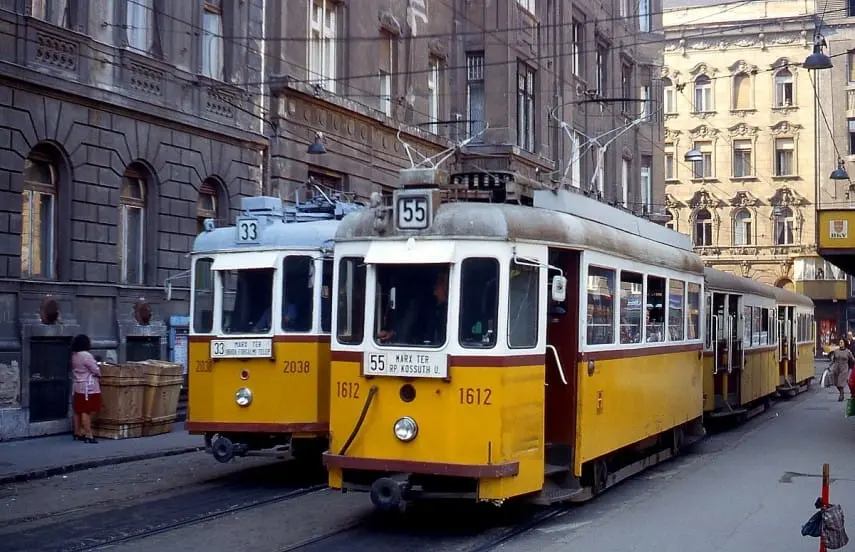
(107, 430)
(158, 426)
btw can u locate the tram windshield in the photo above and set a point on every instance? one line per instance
(247, 300)
(412, 305)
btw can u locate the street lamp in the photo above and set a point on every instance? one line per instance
(317, 147)
(694, 155)
(818, 60)
(840, 172)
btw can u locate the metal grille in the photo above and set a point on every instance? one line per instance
(50, 378)
(143, 347)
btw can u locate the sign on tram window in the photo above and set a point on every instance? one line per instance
(241, 348)
(247, 229)
(412, 364)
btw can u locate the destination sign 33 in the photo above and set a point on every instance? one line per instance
(241, 348)
(406, 363)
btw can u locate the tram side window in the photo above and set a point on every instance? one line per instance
(655, 330)
(351, 300)
(631, 299)
(693, 307)
(203, 297)
(479, 302)
(676, 308)
(601, 306)
(708, 319)
(756, 326)
(523, 306)
(298, 283)
(326, 296)
(747, 319)
(247, 300)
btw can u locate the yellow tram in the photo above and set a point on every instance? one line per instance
(259, 330)
(797, 328)
(740, 345)
(492, 351)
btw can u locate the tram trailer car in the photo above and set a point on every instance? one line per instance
(259, 333)
(571, 356)
(797, 328)
(740, 346)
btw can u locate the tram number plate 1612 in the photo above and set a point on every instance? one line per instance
(406, 364)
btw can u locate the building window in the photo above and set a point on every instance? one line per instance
(623, 7)
(212, 40)
(387, 64)
(527, 4)
(704, 167)
(322, 36)
(703, 94)
(475, 92)
(742, 91)
(703, 228)
(850, 65)
(670, 169)
(644, 100)
(783, 217)
(742, 227)
(670, 96)
(576, 160)
(602, 61)
(644, 16)
(851, 10)
(53, 11)
(131, 228)
(742, 158)
(626, 86)
(624, 182)
(433, 94)
(140, 24)
(784, 158)
(38, 218)
(646, 184)
(525, 107)
(206, 207)
(784, 88)
(851, 123)
(576, 48)
(599, 168)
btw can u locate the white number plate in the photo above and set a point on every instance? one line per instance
(406, 364)
(247, 230)
(242, 348)
(413, 213)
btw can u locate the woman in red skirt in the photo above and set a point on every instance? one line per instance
(87, 389)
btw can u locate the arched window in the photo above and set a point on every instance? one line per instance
(742, 91)
(206, 208)
(783, 217)
(703, 228)
(784, 88)
(742, 227)
(38, 218)
(131, 244)
(669, 96)
(703, 94)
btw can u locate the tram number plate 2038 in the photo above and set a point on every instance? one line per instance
(406, 364)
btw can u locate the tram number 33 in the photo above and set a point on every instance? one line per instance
(413, 212)
(477, 396)
(247, 230)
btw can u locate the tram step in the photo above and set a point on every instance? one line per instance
(552, 469)
(553, 492)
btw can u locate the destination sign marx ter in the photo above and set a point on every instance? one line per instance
(242, 348)
(411, 364)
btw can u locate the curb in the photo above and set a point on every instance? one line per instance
(89, 464)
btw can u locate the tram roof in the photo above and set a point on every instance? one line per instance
(627, 236)
(787, 297)
(725, 281)
(278, 234)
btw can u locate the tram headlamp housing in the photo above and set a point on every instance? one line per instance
(406, 429)
(243, 396)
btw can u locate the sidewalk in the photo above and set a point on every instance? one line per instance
(41, 457)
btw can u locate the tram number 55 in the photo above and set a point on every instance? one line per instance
(413, 213)
(376, 363)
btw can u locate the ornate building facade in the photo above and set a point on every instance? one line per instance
(736, 92)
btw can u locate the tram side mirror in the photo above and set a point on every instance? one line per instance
(392, 298)
(559, 288)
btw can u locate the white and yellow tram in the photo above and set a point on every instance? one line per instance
(797, 327)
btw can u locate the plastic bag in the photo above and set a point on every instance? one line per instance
(833, 531)
(813, 526)
(850, 408)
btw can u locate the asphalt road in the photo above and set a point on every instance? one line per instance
(747, 488)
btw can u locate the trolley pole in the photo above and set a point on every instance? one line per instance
(825, 484)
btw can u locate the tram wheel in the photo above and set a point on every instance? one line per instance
(600, 476)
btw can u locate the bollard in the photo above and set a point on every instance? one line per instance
(825, 499)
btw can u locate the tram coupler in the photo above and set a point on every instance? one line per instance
(224, 450)
(388, 495)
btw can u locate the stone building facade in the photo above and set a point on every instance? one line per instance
(541, 88)
(123, 123)
(735, 89)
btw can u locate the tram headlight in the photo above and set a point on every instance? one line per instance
(243, 396)
(406, 429)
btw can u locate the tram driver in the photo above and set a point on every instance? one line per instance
(421, 324)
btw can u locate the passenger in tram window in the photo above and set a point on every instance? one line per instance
(840, 360)
(420, 323)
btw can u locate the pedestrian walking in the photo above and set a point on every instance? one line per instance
(839, 360)
(87, 389)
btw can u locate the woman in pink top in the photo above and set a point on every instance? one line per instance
(87, 390)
